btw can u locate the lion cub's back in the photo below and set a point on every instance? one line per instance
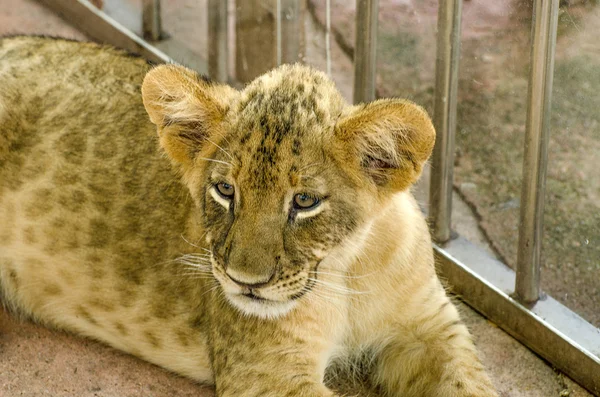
(64, 104)
(87, 204)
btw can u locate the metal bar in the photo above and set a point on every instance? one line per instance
(328, 35)
(548, 328)
(444, 118)
(278, 38)
(255, 49)
(96, 24)
(151, 20)
(289, 31)
(545, 22)
(218, 39)
(365, 54)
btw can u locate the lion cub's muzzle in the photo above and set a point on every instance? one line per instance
(245, 280)
(251, 289)
(266, 297)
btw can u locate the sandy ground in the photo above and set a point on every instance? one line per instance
(35, 361)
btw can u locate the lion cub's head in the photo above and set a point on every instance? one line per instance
(287, 175)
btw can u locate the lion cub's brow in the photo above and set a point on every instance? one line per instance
(277, 120)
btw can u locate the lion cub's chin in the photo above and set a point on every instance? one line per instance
(265, 309)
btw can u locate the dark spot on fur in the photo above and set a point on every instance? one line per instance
(296, 147)
(105, 147)
(100, 233)
(52, 289)
(97, 272)
(73, 200)
(127, 294)
(152, 339)
(182, 337)
(72, 145)
(29, 235)
(65, 177)
(102, 304)
(121, 328)
(83, 313)
(245, 138)
(12, 273)
(198, 322)
(40, 204)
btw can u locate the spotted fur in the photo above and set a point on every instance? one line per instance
(117, 232)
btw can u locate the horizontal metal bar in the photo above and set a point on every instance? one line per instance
(365, 54)
(548, 328)
(151, 20)
(533, 188)
(444, 118)
(99, 26)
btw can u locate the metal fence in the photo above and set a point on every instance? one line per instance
(511, 300)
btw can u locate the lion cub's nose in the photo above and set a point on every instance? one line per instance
(244, 280)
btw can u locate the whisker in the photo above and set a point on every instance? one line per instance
(223, 150)
(190, 243)
(337, 288)
(198, 270)
(198, 262)
(216, 161)
(347, 276)
(309, 166)
(203, 257)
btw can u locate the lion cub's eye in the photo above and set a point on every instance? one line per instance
(303, 201)
(225, 189)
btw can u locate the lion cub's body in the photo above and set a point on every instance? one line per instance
(99, 236)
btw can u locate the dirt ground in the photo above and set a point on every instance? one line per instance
(491, 123)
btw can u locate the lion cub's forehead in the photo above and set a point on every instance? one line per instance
(292, 97)
(282, 120)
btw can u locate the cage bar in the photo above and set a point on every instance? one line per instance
(289, 31)
(255, 38)
(544, 26)
(218, 40)
(365, 54)
(444, 118)
(151, 20)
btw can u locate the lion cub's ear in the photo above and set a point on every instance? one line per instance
(186, 108)
(389, 140)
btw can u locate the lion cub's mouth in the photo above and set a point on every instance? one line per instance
(252, 296)
(254, 305)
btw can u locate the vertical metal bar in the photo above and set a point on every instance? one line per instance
(444, 118)
(255, 49)
(278, 38)
(328, 35)
(151, 22)
(289, 31)
(218, 39)
(545, 22)
(365, 53)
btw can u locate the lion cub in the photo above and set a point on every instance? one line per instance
(269, 237)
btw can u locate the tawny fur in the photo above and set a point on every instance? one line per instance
(113, 231)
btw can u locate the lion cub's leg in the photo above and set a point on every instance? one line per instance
(282, 357)
(432, 355)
